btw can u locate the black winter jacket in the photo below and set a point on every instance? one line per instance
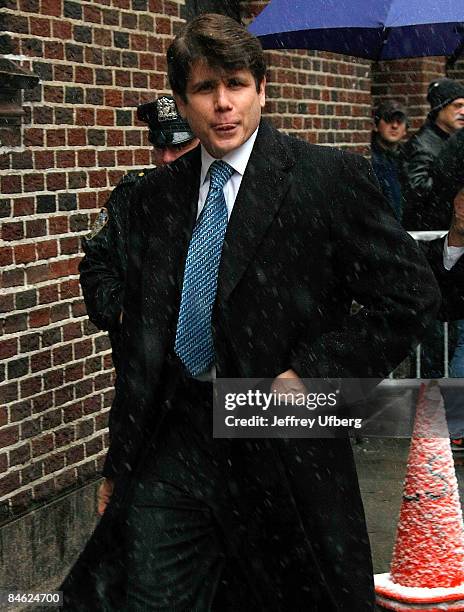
(386, 164)
(103, 269)
(451, 281)
(424, 209)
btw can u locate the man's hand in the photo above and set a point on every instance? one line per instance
(456, 233)
(105, 491)
(288, 383)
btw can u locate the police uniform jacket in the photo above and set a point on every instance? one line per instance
(104, 267)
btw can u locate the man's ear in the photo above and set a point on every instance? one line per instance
(262, 92)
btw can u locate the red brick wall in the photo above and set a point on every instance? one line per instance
(456, 71)
(96, 61)
(407, 81)
(321, 97)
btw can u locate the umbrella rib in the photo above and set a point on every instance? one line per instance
(385, 33)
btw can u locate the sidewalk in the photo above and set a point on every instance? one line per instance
(38, 548)
(381, 465)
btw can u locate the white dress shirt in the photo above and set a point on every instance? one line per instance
(238, 159)
(451, 254)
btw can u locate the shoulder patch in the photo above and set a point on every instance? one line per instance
(99, 224)
(133, 176)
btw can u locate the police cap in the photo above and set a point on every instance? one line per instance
(166, 125)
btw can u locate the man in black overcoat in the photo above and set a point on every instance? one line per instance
(197, 523)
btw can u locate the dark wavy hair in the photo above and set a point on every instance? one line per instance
(218, 40)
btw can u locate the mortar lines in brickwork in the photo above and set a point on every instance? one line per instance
(79, 137)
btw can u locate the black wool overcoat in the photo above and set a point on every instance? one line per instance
(309, 233)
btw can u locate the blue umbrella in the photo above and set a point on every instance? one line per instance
(372, 29)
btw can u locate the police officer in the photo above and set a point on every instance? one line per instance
(104, 265)
(169, 134)
(103, 269)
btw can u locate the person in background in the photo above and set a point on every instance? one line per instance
(103, 269)
(424, 208)
(169, 133)
(390, 127)
(427, 206)
(455, 410)
(445, 258)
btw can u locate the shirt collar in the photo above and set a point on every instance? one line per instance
(238, 158)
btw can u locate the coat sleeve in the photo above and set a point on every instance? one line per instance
(449, 167)
(419, 172)
(103, 268)
(451, 282)
(380, 267)
(426, 171)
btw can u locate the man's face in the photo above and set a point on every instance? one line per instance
(391, 132)
(458, 213)
(166, 155)
(458, 202)
(451, 118)
(223, 108)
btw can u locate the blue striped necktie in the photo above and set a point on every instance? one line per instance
(194, 341)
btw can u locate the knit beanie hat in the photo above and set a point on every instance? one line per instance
(442, 92)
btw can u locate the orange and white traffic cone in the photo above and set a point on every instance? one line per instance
(427, 569)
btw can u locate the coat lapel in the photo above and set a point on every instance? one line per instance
(168, 234)
(179, 185)
(170, 231)
(261, 193)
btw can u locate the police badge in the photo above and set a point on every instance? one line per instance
(167, 110)
(100, 222)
